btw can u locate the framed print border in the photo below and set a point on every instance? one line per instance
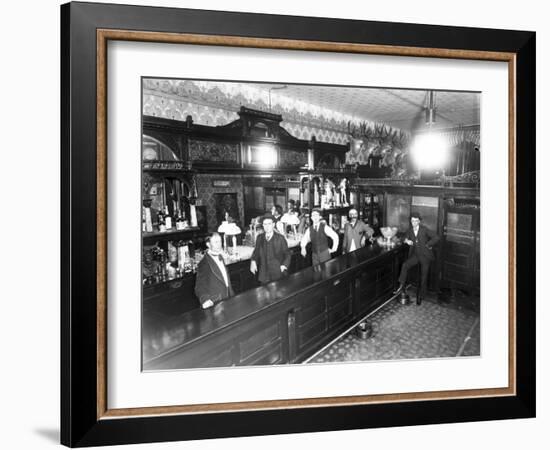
(85, 417)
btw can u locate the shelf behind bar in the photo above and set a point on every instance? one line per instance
(155, 236)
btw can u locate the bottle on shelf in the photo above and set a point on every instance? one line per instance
(193, 214)
(170, 271)
(180, 224)
(148, 225)
(160, 219)
(167, 218)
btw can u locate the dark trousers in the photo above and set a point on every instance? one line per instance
(424, 270)
(318, 258)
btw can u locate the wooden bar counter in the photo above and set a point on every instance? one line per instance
(282, 322)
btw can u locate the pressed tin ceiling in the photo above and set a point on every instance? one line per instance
(399, 108)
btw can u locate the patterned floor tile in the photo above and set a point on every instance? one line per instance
(429, 330)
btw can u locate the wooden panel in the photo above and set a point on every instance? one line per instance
(203, 356)
(384, 284)
(270, 354)
(456, 274)
(248, 197)
(219, 359)
(311, 311)
(460, 254)
(340, 314)
(367, 288)
(258, 340)
(369, 276)
(457, 239)
(459, 260)
(312, 331)
(459, 221)
(367, 295)
(259, 197)
(338, 292)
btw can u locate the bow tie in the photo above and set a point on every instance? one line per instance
(218, 256)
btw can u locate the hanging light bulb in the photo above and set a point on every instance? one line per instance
(429, 149)
(430, 110)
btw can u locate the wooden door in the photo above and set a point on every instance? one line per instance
(461, 248)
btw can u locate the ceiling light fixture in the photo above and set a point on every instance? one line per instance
(431, 109)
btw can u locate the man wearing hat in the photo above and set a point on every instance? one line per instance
(317, 234)
(271, 256)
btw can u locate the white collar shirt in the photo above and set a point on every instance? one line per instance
(221, 266)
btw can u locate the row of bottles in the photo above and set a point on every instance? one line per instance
(166, 222)
(179, 258)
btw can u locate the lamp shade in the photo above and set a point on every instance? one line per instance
(290, 219)
(223, 227)
(232, 229)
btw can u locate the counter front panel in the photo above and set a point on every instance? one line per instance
(282, 322)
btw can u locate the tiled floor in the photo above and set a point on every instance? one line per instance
(429, 330)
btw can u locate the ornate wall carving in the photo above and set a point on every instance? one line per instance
(213, 151)
(292, 158)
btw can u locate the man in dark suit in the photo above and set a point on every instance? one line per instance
(271, 256)
(420, 240)
(212, 284)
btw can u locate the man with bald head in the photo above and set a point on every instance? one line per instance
(356, 232)
(212, 284)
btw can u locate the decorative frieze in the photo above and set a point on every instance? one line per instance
(292, 158)
(213, 151)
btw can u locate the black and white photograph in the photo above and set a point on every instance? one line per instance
(289, 223)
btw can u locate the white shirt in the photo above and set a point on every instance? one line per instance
(328, 231)
(221, 266)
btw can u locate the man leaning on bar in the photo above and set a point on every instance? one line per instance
(356, 233)
(213, 283)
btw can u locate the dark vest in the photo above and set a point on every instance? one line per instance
(415, 240)
(319, 240)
